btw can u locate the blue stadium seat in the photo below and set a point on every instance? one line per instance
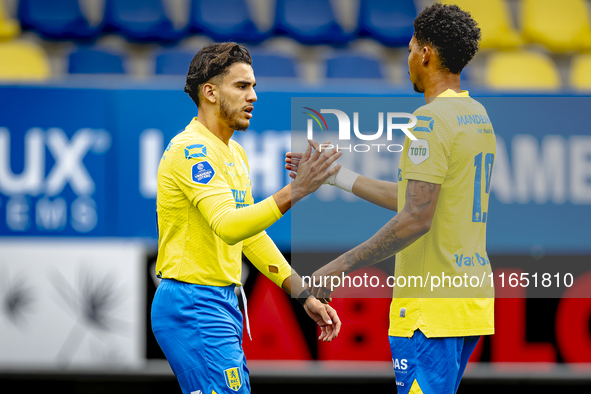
(174, 62)
(95, 61)
(353, 66)
(57, 19)
(273, 65)
(309, 22)
(389, 22)
(228, 20)
(140, 20)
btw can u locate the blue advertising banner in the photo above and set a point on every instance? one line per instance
(82, 162)
(57, 163)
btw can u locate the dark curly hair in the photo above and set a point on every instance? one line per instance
(451, 32)
(213, 61)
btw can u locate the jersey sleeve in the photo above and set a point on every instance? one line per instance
(428, 155)
(196, 170)
(261, 250)
(266, 257)
(233, 224)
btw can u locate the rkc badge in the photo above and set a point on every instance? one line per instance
(233, 378)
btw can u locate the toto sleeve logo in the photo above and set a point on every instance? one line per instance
(202, 172)
(418, 151)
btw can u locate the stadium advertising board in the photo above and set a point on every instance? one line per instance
(89, 169)
(56, 164)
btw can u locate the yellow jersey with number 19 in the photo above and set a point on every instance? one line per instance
(447, 276)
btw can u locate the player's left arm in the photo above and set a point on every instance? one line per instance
(409, 225)
(406, 227)
(266, 257)
(381, 193)
(323, 314)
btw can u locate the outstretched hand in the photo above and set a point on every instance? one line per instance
(313, 168)
(293, 159)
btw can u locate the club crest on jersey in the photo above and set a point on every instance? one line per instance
(418, 151)
(195, 151)
(202, 172)
(233, 378)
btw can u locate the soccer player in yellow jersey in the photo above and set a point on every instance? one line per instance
(441, 197)
(206, 220)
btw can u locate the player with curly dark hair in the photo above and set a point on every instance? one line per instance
(445, 40)
(439, 233)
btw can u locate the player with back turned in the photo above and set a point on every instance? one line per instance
(206, 220)
(442, 202)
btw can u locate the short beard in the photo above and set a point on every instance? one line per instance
(231, 117)
(416, 88)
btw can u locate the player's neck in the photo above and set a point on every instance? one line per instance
(439, 84)
(216, 128)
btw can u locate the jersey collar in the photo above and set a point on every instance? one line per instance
(451, 93)
(198, 127)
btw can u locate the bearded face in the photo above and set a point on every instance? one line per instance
(234, 117)
(236, 97)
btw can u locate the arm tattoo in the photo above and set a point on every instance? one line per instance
(389, 240)
(377, 248)
(419, 194)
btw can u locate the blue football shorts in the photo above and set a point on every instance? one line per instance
(430, 365)
(199, 329)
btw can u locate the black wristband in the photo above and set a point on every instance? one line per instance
(304, 295)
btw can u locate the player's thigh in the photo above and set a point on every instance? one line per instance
(403, 358)
(199, 330)
(174, 326)
(426, 365)
(201, 365)
(225, 369)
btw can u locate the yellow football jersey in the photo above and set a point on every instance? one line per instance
(448, 290)
(195, 165)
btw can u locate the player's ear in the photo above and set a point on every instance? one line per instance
(427, 51)
(209, 92)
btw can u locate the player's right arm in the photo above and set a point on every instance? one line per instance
(207, 189)
(380, 193)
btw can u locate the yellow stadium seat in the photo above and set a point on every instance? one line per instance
(494, 19)
(23, 61)
(580, 72)
(9, 28)
(521, 70)
(560, 26)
